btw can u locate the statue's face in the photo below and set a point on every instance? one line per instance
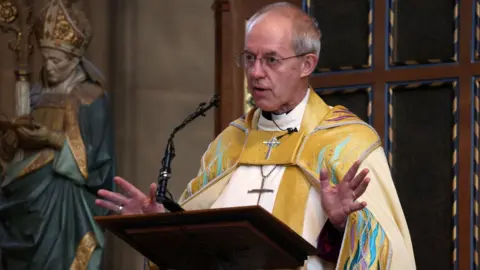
(58, 65)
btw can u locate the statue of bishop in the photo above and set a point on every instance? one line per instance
(55, 159)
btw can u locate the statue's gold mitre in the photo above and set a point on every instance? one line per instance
(62, 27)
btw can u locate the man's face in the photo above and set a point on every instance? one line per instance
(271, 82)
(58, 65)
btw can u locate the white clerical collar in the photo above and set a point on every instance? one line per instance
(293, 119)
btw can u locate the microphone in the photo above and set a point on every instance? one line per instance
(291, 130)
(166, 170)
(268, 116)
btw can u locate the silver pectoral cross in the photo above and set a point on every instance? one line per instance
(273, 142)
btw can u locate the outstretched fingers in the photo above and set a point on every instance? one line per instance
(107, 205)
(113, 196)
(153, 195)
(153, 191)
(361, 188)
(357, 206)
(324, 179)
(129, 188)
(352, 172)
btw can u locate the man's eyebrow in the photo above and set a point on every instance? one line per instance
(271, 53)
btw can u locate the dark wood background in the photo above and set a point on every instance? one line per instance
(410, 69)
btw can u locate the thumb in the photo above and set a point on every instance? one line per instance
(153, 193)
(23, 132)
(324, 179)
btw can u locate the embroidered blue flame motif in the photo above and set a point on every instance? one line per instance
(367, 240)
(219, 151)
(367, 236)
(334, 161)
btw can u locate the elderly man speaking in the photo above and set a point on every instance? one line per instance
(323, 160)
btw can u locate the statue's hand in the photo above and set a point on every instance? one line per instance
(34, 135)
(8, 145)
(26, 121)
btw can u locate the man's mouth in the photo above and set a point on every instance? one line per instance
(260, 89)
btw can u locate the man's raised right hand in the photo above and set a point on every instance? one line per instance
(134, 202)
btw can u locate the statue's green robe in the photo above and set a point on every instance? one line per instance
(47, 203)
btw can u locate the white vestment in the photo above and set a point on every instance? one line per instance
(246, 178)
(380, 196)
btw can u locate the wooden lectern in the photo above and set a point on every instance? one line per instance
(244, 238)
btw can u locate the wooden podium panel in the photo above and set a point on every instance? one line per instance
(236, 245)
(227, 238)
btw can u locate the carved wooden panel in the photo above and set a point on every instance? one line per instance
(476, 36)
(357, 99)
(422, 32)
(476, 170)
(346, 28)
(422, 149)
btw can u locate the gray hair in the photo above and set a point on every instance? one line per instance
(306, 33)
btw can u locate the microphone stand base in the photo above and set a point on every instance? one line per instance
(170, 205)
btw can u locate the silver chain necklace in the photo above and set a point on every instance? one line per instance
(262, 190)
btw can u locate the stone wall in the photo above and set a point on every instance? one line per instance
(158, 58)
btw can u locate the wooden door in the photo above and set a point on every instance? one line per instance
(410, 69)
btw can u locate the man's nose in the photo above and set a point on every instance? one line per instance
(257, 70)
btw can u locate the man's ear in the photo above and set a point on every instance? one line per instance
(309, 64)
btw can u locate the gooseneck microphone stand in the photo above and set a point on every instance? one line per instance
(166, 170)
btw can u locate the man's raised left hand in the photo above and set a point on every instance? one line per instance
(339, 201)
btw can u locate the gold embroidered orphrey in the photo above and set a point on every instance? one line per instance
(331, 138)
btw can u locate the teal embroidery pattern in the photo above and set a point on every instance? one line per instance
(218, 160)
(367, 240)
(334, 161)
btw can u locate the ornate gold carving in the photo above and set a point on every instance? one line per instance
(63, 27)
(8, 12)
(18, 21)
(84, 252)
